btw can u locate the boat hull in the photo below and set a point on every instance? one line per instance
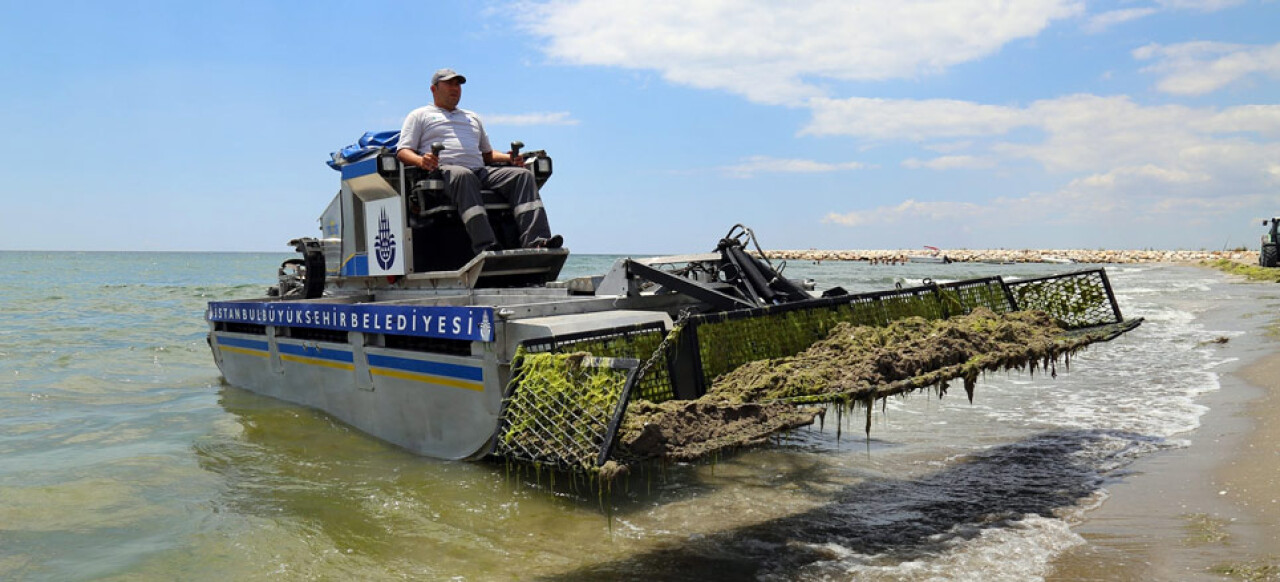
(426, 377)
(435, 405)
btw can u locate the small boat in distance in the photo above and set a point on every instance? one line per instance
(934, 256)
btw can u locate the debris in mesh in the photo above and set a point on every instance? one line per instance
(857, 362)
(853, 365)
(639, 342)
(683, 430)
(1077, 301)
(561, 412)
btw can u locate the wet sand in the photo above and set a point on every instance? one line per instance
(1210, 511)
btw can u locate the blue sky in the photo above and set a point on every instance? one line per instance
(832, 124)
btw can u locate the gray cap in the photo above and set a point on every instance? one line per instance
(445, 75)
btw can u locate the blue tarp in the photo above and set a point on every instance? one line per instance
(368, 143)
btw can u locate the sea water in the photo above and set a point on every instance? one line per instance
(124, 456)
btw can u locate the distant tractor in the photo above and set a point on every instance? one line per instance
(1269, 255)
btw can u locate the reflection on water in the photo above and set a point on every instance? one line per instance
(373, 511)
(889, 522)
(370, 510)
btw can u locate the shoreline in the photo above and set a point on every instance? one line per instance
(1208, 511)
(1004, 256)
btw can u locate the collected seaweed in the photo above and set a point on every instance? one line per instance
(563, 411)
(1251, 272)
(854, 365)
(766, 370)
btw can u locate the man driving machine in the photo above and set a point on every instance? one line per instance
(467, 162)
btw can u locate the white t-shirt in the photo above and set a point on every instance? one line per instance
(460, 130)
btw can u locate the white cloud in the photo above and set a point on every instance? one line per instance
(1207, 206)
(1196, 68)
(1113, 158)
(1075, 204)
(1099, 23)
(767, 165)
(1261, 119)
(1086, 133)
(908, 211)
(1200, 5)
(1103, 21)
(1123, 160)
(950, 146)
(1081, 133)
(549, 118)
(768, 51)
(892, 119)
(1149, 173)
(950, 163)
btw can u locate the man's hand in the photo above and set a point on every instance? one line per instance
(429, 162)
(517, 161)
(409, 157)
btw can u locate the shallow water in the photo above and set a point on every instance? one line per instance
(123, 456)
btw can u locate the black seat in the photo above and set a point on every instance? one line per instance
(437, 204)
(440, 242)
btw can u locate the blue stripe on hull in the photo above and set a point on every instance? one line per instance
(316, 352)
(470, 373)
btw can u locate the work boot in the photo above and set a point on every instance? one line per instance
(556, 241)
(480, 232)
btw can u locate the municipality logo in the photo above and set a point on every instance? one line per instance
(385, 243)
(485, 327)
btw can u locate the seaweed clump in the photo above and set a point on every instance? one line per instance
(1252, 272)
(560, 416)
(853, 365)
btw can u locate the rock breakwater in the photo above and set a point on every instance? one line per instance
(1020, 256)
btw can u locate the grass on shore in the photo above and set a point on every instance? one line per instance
(1252, 272)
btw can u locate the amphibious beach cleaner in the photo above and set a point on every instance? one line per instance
(390, 323)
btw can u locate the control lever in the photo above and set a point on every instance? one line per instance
(430, 187)
(435, 178)
(515, 150)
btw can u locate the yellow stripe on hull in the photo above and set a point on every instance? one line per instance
(429, 379)
(244, 351)
(318, 362)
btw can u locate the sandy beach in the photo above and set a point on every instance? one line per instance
(1210, 511)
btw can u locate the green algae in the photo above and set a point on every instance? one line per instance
(767, 368)
(726, 341)
(854, 366)
(1203, 528)
(1256, 571)
(1251, 272)
(561, 411)
(856, 362)
(656, 385)
(685, 430)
